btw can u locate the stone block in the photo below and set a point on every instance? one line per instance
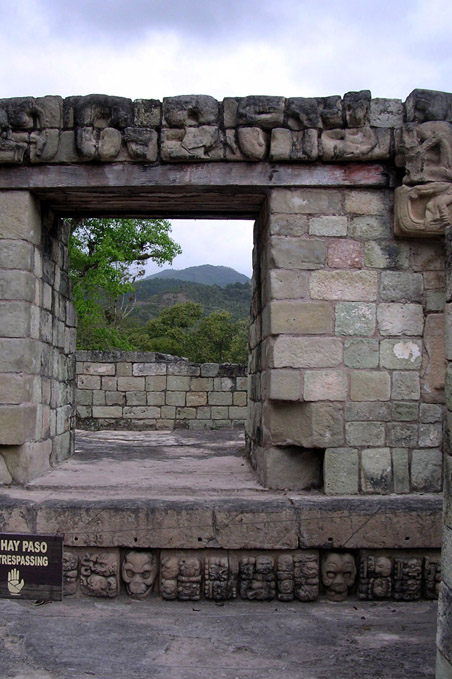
(133, 398)
(297, 253)
(5, 477)
(294, 317)
(344, 285)
(400, 470)
(306, 201)
(265, 111)
(147, 112)
(109, 383)
(361, 353)
(202, 383)
(156, 383)
(27, 461)
(405, 385)
(16, 254)
(238, 413)
(178, 383)
(190, 109)
(297, 145)
(341, 471)
(219, 398)
(307, 352)
(423, 105)
(430, 435)
(107, 411)
(370, 385)
(365, 433)
(17, 423)
(114, 398)
(185, 413)
(376, 471)
(328, 226)
(168, 412)
(16, 319)
(239, 398)
(176, 398)
(370, 227)
(426, 470)
(405, 411)
(219, 412)
(151, 368)
(191, 143)
(15, 389)
(400, 319)
(430, 412)
(157, 399)
(366, 202)
(196, 398)
(290, 468)
(367, 411)
(401, 286)
(434, 280)
(310, 425)
(355, 318)
(123, 369)
(209, 369)
(98, 397)
(401, 434)
(325, 385)
(345, 254)
(141, 412)
(223, 384)
(443, 668)
(287, 225)
(428, 257)
(284, 385)
(386, 255)
(20, 216)
(401, 354)
(17, 285)
(287, 284)
(99, 369)
(435, 300)
(434, 359)
(252, 142)
(386, 113)
(88, 382)
(131, 383)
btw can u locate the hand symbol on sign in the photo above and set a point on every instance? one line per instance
(14, 586)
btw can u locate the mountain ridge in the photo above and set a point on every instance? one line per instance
(205, 274)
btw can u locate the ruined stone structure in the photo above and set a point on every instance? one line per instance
(350, 198)
(144, 390)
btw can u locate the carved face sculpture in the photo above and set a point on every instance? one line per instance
(189, 567)
(382, 583)
(264, 565)
(70, 566)
(139, 571)
(338, 575)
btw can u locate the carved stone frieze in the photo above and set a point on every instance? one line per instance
(70, 571)
(220, 577)
(257, 577)
(180, 577)
(338, 575)
(298, 146)
(191, 143)
(399, 576)
(99, 573)
(424, 210)
(139, 573)
(298, 576)
(359, 143)
(407, 578)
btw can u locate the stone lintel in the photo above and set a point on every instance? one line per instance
(409, 522)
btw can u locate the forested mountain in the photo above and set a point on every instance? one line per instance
(206, 274)
(154, 294)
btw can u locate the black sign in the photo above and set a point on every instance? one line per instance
(31, 566)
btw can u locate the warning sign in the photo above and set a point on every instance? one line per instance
(31, 566)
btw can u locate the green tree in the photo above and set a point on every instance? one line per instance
(170, 332)
(106, 256)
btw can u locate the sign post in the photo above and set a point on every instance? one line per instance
(31, 566)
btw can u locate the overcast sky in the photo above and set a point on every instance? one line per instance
(157, 48)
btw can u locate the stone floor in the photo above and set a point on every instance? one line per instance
(236, 640)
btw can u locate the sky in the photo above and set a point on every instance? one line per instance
(157, 48)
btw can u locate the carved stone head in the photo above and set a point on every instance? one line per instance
(338, 575)
(139, 571)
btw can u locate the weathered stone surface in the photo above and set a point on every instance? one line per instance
(27, 461)
(311, 425)
(361, 353)
(367, 411)
(304, 112)
(400, 319)
(5, 477)
(288, 145)
(190, 110)
(325, 385)
(328, 226)
(17, 423)
(191, 143)
(422, 211)
(310, 318)
(307, 352)
(433, 361)
(430, 435)
(357, 108)
(345, 254)
(16, 318)
(287, 225)
(367, 227)
(341, 471)
(422, 105)
(287, 284)
(306, 201)
(429, 257)
(401, 287)
(344, 285)
(370, 385)
(376, 474)
(401, 434)
(426, 469)
(266, 112)
(142, 144)
(252, 142)
(386, 255)
(292, 468)
(20, 216)
(386, 113)
(404, 411)
(365, 433)
(16, 254)
(367, 202)
(354, 318)
(297, 253)
(401, 474)
(430, 412)
(147, 112)
(15, 388)
(284, 385)
(401, 354)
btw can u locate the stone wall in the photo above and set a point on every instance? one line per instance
(37, 340)
(144, 390)
(348, 375)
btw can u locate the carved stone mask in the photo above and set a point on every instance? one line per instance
(139, 571)
(338, 575)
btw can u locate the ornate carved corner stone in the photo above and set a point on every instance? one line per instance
(423, 211)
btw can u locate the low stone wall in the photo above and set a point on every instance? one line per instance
(144, 390)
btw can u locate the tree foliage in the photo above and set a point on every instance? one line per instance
(106, 257)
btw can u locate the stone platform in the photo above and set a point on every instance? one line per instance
(195, 490)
